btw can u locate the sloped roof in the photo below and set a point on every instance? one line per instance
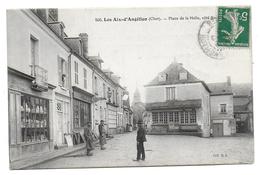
(220, 88)
(172, 72)
(174, 104)
(73, 43)
(242, 88)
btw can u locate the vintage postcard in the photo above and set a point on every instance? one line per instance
(129, 87)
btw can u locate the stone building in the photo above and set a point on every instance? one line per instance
(221, 105)
(177, 102)
(39, 96)
(54, 86)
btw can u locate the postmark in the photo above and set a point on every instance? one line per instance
(233, 26)
(207, 40)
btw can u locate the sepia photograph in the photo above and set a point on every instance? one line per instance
(129, 87)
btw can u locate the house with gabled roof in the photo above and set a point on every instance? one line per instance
(178, 103)
(222, 110)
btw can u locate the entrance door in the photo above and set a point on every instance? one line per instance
(217, 129)
(62, 121)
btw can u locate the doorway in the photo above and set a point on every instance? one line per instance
(217, 129)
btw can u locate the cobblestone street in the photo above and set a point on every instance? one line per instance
(162, 150)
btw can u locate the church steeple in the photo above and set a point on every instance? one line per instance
(137, 96)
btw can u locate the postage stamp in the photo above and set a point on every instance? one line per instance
(233, 26)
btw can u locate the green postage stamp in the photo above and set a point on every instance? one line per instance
(233, 26)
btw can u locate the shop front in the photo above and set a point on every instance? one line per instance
(82, 101)
(29, 116)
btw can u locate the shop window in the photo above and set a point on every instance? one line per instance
(81, 113)
(193, 117)
(176, 117)
(171, 117)
(182, 117)
(155, 117)
(165, 118)
(34, 119)
(186, 117)
(161, 117)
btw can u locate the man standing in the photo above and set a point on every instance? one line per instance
(88, 134)
(141, 138)
(102, 135)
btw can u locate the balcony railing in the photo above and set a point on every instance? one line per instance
(41, 76)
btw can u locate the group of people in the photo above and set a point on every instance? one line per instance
(90, 138)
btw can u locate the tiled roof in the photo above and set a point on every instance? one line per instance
(242, 88)
(219, 88)
(172, 72)
(174, 104)
(73, 44)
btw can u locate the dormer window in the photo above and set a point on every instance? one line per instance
(183, 76)
(162, 77)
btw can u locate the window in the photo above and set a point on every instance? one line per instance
(96, 85)
(104, 90)
(183, 76)
(176, 117)
(34, 119)
(171, 117)
(186, 117)
(34, 51)
(76, 69)
(170, 93)
(81, 113)
(223, 108)
(62, 71)
(85, 78)
(34, 54)
(161, 117)
(193, 117)
(162, 77)
(165, 118)
(155, 117)
(182, 117)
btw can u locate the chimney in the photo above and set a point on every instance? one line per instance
(96, 60)
(84, 38)
(228, 81)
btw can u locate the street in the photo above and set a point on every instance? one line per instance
(162, 150)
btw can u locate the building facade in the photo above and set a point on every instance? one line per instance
(37, 89)
(54, 86)
(178, 103)
(221, 104)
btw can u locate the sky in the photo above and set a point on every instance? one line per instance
(138, 51)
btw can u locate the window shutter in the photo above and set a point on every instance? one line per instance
(67, 74)
(59, 71)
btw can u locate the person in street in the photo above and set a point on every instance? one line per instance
(140, 138)
(89, 137)
(102, 135)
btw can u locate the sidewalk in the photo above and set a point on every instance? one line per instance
(43, 157)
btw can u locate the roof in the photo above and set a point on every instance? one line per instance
(242, 88)
(73, 43)
(174, 104)
(220, 88)
(172, 72)
(241, 103)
